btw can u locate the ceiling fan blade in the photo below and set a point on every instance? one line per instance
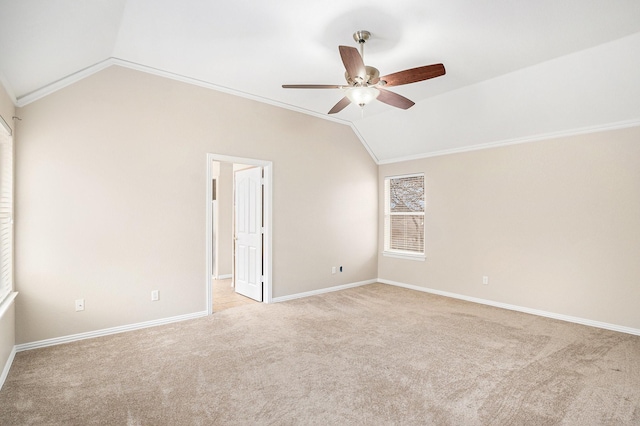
(353, 62)
(340, 105)
(311, 86)
(413, 75)
(394, 99)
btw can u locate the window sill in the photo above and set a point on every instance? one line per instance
(407, 256)
(4, 306)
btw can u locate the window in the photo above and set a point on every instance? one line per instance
(404, 216)
(6, 211)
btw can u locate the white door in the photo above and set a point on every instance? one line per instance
(248, 228)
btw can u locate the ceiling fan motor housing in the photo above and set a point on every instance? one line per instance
(372, 77)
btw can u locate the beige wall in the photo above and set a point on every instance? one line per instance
(7, 321)
(110, 204)
(111, 184)
(554, 224)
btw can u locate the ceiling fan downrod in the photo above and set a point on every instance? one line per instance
(361, 37)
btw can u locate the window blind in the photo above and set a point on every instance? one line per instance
(6, 213)
(404, 214)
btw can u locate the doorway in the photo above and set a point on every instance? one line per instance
(259, 271)
(224, 296)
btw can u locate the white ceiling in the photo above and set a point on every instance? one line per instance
(509, 62)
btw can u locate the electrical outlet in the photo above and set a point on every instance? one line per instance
(155, 295)
(333, 269)
(485, 280)
(79, 305)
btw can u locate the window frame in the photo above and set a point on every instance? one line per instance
(7, 289)
(387, 215)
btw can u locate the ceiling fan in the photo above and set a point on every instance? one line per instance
(364, 83)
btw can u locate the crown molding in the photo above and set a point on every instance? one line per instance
(62, 83)
(535, 138)
(86, 72)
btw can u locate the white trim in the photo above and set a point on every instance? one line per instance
(534, 138)
(407, 175)
(6, 126)
(77, 76)
(407, 256)
(207, 85)
(63, 82)
(553, 315)
(4, 306)
(86, 72)
(224, 277)
(322, 291)
(267, 167)
(107, 331)
(209, 239)
(389, 215)
(163, 321)
(7, 367)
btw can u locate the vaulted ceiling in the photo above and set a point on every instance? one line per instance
(516, 70)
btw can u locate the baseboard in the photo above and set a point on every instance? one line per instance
(322, 291)
(153, 323)
(7, 367)
(224, 277)
(562, 317)
(106, 331)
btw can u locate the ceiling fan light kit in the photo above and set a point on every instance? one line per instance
(362, 95)
(364, 83)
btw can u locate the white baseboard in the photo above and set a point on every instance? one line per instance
(106, 331)
(7, 367)
(322, 291)
(224, 277)
(562, 317)
(153, 323)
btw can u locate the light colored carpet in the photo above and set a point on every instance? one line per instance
(369, 355)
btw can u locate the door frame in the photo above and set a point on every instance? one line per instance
(267, 166)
